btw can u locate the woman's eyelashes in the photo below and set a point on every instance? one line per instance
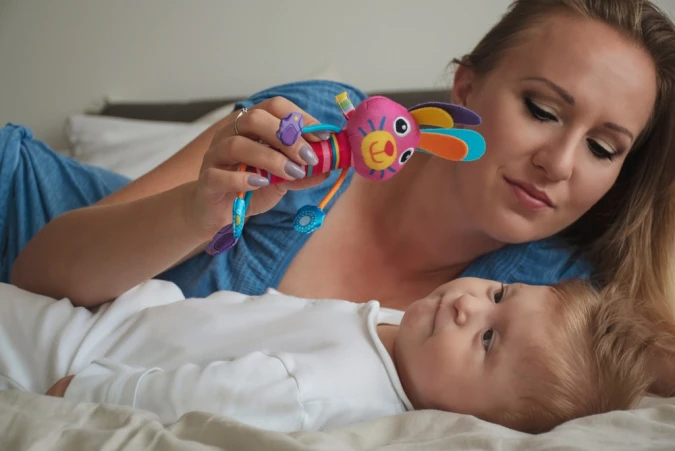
(538, 112)
(599, 150)
(542, 115)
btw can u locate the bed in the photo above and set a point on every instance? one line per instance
(132, 138)
(34, 422)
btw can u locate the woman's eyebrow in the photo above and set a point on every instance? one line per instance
(620, 129)
(566, 96)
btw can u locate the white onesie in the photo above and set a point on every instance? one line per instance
(271, 361)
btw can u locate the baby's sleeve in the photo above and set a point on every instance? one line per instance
(255, 389)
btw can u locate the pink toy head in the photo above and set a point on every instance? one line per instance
(383, 136)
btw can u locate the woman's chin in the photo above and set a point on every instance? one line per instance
(516, 229)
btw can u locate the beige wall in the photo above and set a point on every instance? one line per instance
(60, 57)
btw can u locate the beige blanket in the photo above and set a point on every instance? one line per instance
(35, 422)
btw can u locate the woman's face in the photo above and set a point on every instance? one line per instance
(560, 113)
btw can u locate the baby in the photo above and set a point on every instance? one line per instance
(526, 357)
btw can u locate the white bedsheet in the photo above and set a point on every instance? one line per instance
(35, 422)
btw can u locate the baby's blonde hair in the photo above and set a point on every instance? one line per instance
(596, 361)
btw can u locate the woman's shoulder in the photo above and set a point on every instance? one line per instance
(543, 262)
(315, 97)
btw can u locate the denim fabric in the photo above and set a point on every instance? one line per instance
(37, 184)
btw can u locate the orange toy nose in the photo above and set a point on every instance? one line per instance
(389, 148)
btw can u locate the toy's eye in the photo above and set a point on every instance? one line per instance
(405, 156)
(401, 126)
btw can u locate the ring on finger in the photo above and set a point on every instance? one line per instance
(236, 119)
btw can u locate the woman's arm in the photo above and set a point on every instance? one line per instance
(94, 254)
(118, 237)
(181, 168)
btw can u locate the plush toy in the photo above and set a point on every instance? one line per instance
(379, 138)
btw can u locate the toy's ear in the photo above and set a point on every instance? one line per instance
(442, 115)
(452, 144)
(432, 117)
(446, 147)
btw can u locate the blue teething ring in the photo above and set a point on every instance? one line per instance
(308, 219)
(239, 208)
(321, 128)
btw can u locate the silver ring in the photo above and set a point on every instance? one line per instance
(241, 113)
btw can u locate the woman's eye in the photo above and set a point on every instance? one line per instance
(599, 150)
(539, 113)
(499, 294)
(487, 338)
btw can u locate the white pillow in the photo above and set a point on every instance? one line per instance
(127, 146)
(133, 147)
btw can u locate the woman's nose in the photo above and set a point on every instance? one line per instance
(557, 160)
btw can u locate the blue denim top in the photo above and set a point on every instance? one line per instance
(38, 184)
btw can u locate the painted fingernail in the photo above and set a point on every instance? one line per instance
(307, 154)
(294, 170)
(257, 180)
(322, 135)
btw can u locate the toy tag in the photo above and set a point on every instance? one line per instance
(345, 104)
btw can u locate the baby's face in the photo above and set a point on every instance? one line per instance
(461, 348)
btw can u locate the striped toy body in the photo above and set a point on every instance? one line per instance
(333, 153)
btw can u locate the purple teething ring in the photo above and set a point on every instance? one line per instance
(223, 241)
(290, 129)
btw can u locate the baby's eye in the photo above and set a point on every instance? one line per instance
(499, 294)
(487, 338)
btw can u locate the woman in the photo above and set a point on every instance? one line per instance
(576, 98)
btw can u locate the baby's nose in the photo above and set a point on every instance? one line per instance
(466, 306)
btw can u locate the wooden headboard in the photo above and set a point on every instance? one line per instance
(189, 111)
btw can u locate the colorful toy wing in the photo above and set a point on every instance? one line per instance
(438, 135)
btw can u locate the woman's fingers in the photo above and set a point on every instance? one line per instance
(260, 124)
(256, 144)
(281, 107)
(240, 149)
(218, 183)
(298, 185)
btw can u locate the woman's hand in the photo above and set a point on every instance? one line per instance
(60, 387)
(209, 204)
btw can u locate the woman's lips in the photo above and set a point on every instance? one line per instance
(529, 196)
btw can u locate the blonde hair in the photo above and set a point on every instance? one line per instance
(630, 233)
(596, 362)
